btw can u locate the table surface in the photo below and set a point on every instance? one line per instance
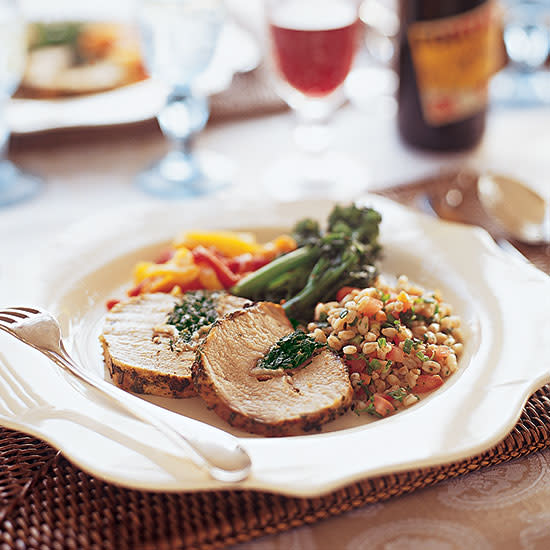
(86, 173)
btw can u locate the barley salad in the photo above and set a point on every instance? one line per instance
(399, 342)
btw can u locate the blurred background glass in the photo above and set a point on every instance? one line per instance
(526, 33)
(178, 40)
(15, 185)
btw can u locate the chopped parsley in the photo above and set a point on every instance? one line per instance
(365, 388)
(398, 394)
(369, 408)
(196, 310)
(374, 364)
(407, 345)
(421, 356)
(289, 352)
(381, 342)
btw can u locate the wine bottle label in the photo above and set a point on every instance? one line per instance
(453, 58)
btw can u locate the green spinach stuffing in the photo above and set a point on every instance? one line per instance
(289, 352)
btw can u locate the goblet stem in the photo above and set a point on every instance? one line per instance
(180, 173)
(313, 136)
(182, 116)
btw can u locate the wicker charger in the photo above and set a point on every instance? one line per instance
(47, 503)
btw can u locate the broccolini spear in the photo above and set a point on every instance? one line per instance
(343, 256)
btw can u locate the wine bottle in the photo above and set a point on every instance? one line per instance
(448, 51)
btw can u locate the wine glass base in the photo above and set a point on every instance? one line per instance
(330, 175)
(15, 185)
(179, 175)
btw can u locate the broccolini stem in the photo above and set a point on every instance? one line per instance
(322, 278)
(257, 281)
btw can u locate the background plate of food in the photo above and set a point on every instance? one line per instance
(90, 72)
(469, 323)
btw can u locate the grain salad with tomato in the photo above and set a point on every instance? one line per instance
(399, 342)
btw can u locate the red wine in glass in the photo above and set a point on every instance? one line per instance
(314, 44)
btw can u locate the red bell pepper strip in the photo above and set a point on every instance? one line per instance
(226, 277)
(246, 263)
(112, 303)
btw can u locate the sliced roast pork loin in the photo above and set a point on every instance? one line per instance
(144, 354)
(284, 402)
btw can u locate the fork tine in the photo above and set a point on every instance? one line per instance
(26, 309)
(20, 312)
(7, 319)
(17, 314)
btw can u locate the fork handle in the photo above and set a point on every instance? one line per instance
(219, 452)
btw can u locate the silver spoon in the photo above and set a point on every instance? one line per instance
(453, 200)
(519, 210)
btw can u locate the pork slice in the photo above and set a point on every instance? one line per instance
(282, 403)
(143, 353)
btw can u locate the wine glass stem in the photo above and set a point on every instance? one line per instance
(182, 116)
(312, 135)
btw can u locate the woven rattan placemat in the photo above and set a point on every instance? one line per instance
(47, 503)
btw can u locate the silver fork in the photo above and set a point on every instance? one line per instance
(219, 452)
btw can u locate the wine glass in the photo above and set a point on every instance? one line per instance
(15, 185)
(179, 39)
(526, 35)
(313, 45)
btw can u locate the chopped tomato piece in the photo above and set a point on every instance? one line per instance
(428, 382)
(365, 378)
(112, 303)
(382, 405)
(344, 291)
(136, 290)
(356, 365)
(226, 277)
(396, 354)
(441, 353)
